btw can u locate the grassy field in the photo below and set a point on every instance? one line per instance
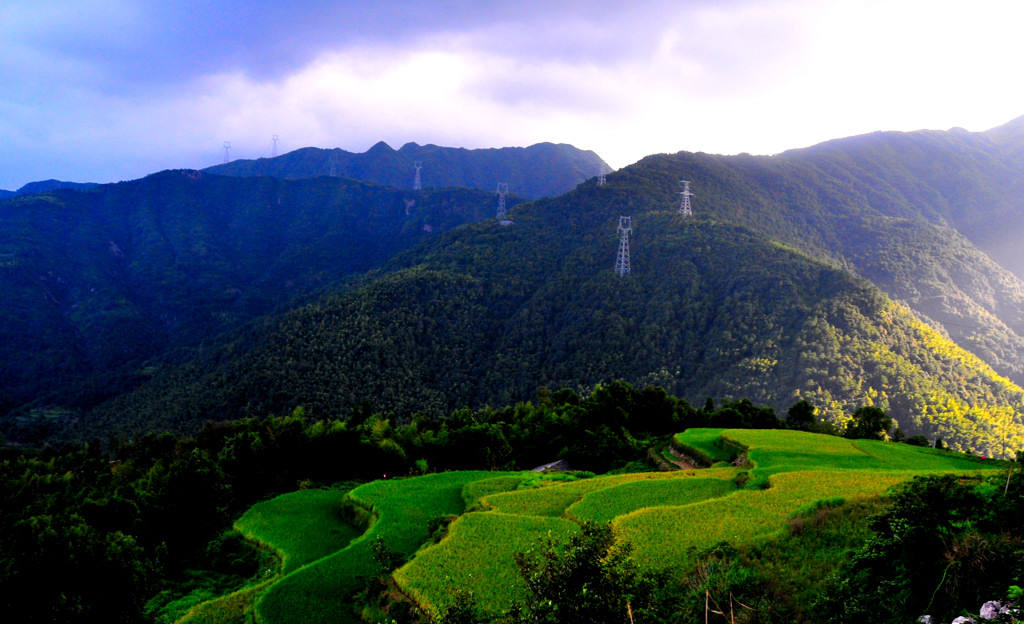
(478, 555)
(235, 608)
(609, 503)
(474, 492)
(663, 536)
(300, 526)
(320, 592)
(665, 515)
(704, 444)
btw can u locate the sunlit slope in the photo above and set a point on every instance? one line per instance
(302, 526)
(489, 314)
(320, 591)
(664, 515)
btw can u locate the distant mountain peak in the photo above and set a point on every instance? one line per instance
(541, 170)
(380, 147)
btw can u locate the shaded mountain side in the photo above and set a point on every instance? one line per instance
(486, 315)
(541, 170)
(45, 186)
(891, 226)
(99, 282)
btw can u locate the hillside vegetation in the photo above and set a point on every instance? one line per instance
(868, 270)
(104, 286)
(151, 514)
(486, 313)
(668, 519)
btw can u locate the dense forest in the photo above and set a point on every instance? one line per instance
(102, 286)
(481, 314)
(846, 273)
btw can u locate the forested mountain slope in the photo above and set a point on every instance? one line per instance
(99, 282)
(540, 170)
(863, 270)
(487, 314)
(925, 216)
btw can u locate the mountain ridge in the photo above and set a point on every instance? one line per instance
(542, 169)
(845, 274)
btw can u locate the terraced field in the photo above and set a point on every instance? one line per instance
(663, 515)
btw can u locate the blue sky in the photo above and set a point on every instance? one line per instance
(107, 90)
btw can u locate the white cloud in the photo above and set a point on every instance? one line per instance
(625, 80)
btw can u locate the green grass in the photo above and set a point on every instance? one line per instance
(300, 526)
(477, 490)
(773, 451)
(553, 498)
(811, 548)
(666, 516)
(609, 503)
(478, 555)
(320, 592)
(234, 608)
(663, 536)
(705, 444)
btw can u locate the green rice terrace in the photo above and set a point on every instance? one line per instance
(460, 531)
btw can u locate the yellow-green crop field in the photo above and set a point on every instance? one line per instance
(665, 515)
(706, 444)
(478, 555)
(300, 526)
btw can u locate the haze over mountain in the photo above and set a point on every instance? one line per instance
(540, 170)
(847, 273)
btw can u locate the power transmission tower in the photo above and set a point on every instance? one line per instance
(684, 204)
(273, 151)
(334, 166)
(227, 152)
(502, 192)
(417, 184)
(622, 258)
(601, 181)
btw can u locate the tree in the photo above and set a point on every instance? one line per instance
(869, 422)
(591, 580)
(801, 416)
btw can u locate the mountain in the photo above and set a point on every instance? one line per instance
(861, 271)
(44, 186)
(100, 285)
(540, 170)
(764, 294)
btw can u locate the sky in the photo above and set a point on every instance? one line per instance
(108, 90)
